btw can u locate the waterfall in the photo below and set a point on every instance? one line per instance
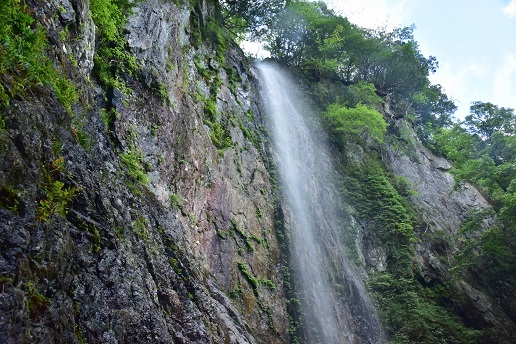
(336, 308)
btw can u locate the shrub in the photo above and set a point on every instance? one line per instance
(351, 124)
(57, 200)
(112, 59)
(132, 159)
(23, 63)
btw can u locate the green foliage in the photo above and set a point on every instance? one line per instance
(309, 35)
(36, 303)
(258, 213)
(219, 135)
(351, 124)
(57, 200)
(192, 217)
(9, 199)
(248, 16)
(485, 119)
(23, 63)
(237, 292)
(112, 58)
(455, 143)
(174, 264)
(5, 280)
(324, 45)
(482, 150)
(484, 154)
(413, 319)
(384, 209)
(233, 78)
(80, 135)
(215, 34)
(268, 283)
(109, 16)
(235, 228)
(57, 195)
(210, 109)
(365, 93)
(219, 132)
(411, 313)
(141, 228)
(205, 73)
(95, 235)
(432, 108)
(291, 29)
(174, 200)
(108, 118)
(402, 186)
(132, 159)
(211, 32)
(253, 281)
(491, 252)
(2, 126)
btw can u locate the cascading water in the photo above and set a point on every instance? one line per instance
(336, 308)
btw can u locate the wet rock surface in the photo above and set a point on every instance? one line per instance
(133, 262)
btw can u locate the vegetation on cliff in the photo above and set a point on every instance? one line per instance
(483, 152)
(364, 82)
(108, 166)
(335, 57)
(23, 64)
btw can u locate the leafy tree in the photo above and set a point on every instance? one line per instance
(501, 148)
(432, 109)
(112, 58)
(486, 118)
(249, 16)
(292, 28)
(350, 124)
(455, 143)
(314, 39)
(365, 93)
(397, 66)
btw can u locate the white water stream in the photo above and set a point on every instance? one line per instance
(329, 315)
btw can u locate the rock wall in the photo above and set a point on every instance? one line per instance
(441, 208)
(189, 255)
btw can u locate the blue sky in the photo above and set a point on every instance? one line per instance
(474, 42)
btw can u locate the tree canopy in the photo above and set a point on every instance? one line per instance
(351, 124)
(314, 39)
(249, 16)
(311, 37)
(486, 119)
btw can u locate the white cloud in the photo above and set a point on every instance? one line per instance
(510, 10)
(453, 85)
(373, 13)
(476, 80)
(461, 83)
(505, 81)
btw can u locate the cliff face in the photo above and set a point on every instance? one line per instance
(148, 211)
(163, 236)
(442, 207)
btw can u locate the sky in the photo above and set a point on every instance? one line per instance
(474, 42)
